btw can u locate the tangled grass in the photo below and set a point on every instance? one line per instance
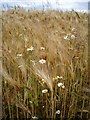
(45, 68)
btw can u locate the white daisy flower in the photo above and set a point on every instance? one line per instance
(63, 86)
(44, 91)
(72, 36)
(34, 117)
(42, 61)
(19, 55)
(73, 29)
(43, 106)
(65, 37)
(58, 112)
(42, 48)
(30, 102)
(30, 49)
(59, 77)
(19, 66)
(60, 84)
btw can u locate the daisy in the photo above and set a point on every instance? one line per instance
(19, 55)
(72, 36)
(63, 86)
(44, 91)
(59, 77)
(30, 49)
(58, 112)
(19, 66)
(73, 29)
(30, 102)
(65, 37)
(42, 48)
(60, 84)
(34, 117)
(42, 61)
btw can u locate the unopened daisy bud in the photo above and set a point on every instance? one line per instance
(55, 78)
(73, 29)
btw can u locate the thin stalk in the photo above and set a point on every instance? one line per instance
(9, 108)
(52, 104)
(46, 106)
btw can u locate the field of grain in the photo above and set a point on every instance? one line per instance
(45, 65)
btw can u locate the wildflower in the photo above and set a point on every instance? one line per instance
(20, 66)
(73, 29)
(42, 61)
(65, 37)
(63, 86)
(42, 48)
(59, 77)
(44, 91)
(34, 117)
(58, 112)
(30, 49)
(30, 102)
(43, 106)
(60, 84)
(19, 55)
(72, 36)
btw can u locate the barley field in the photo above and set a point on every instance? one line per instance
(45, 65)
